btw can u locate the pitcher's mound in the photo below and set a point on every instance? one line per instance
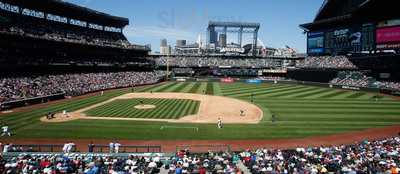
(145, 106)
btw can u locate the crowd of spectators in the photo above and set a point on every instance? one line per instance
(80, 164)
(272, 78)
(326, 62)
(235, 72)
(359, 79)
(388, 85)
(205, 61)
(17, 88)
(186, 71)
(66, 33)
(352, 78)
(366, 157)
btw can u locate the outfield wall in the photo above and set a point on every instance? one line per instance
(318, 84)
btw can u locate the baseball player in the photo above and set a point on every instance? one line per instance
(242, 113)
(5, 129)
(219, 123)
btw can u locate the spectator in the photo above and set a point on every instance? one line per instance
(91, 147)
(18, 88)
(326, 62)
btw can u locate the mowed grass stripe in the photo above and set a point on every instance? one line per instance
(210, 88)
(176, 86)
(255, 90)
(156, 88)
(114, 108)
(187, 88)
(300, 89)
(305, 92)
(192, 107)
(356, 95)
(312, 93)
(336, 117)
(332, 94)
(170, 110)
(182, 110)
(247, 88)
(168, 114)
(195, 108)
(144, 113)
(277, 90)
(126, 109)
(262, 92)
(202, 88)
(161, 105)
(336, 111)
(165, 87)
(165, 108)
(343, 95)
(330, 101)
(195, 87)
(180, 88)
(32, 118)
(145, 88)
(328, 105)
(217, 88)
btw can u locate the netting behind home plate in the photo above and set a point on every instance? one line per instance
(205, 148)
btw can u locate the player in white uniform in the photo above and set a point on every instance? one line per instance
(219, 123)
(116, 147)
(6, 131)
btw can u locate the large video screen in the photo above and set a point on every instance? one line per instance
(315, 42)
(388, 35)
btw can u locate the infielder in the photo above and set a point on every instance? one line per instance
(219, 123)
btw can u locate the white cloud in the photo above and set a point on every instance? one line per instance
(158, 32)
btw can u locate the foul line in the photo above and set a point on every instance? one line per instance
(179, 127)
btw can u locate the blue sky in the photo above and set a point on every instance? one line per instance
(152, 20)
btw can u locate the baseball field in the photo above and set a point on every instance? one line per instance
(300, 111)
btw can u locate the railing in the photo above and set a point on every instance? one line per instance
(127, 149)
(30, 101)
(98, 148)
(39, 148)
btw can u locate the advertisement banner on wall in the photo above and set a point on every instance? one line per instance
(388, 38)
(385, 35)
(256, 81)
(227, 80)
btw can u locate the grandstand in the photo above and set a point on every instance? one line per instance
(54, 42)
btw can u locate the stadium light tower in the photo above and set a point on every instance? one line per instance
(167, 76)
(214, 28)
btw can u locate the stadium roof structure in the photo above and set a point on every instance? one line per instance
(70, 10)
(335, 11)
(343, 12)
(234, 24)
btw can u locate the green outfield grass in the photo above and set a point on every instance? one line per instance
(301, 111)
(165, 108)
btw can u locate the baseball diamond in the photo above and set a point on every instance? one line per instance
(199, 87)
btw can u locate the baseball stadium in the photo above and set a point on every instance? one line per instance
(77, 97)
